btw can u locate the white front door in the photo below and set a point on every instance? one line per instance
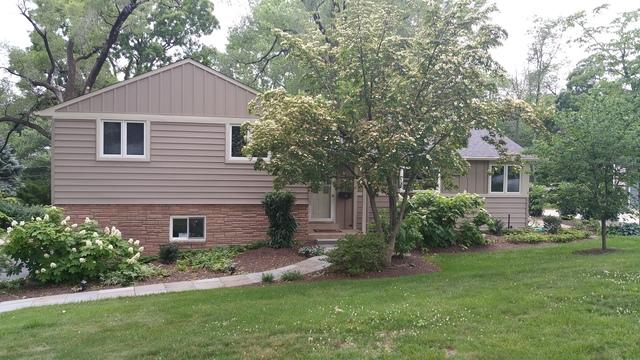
(322, 204)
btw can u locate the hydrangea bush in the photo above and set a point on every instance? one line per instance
(53, 250)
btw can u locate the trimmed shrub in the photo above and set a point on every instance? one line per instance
(624, 229)
(357, 254)
(438, 215)
(278, 206)
(55, 251)
(20, 212)
(267, 277)
(409, 236)
(292, 275)
(311, 251)
(468, 234)
(538, 196)
(552, 224)
(169, 253)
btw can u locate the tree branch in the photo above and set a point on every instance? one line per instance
(45, 39)
(54, 89)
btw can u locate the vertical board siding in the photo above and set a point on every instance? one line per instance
(184, 90)
(187, 166)
(475, 181)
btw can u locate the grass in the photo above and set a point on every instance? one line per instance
(538, 303)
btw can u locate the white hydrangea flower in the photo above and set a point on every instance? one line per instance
(98, 242)
(136, 256)
(1, 242)
(130, 241)
(14, 223)
(63, 222)
(9, 230)
(67, 229)
(43, 270)
(53, 265)
(46, 256)
(136, 243)
(130, 250)
(37, 272)
(82, 232)
(87, 243)
(82, 260)
(141, 249)
(73, 226)
(54, 207)
(67, 218)
(110, 247)
(74, 250)
(38, 218)
(95, 234)
(21, 223)
(46, 217)
(118, 233)
(87, 220)
(107, 230)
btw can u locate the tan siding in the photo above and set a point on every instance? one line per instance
(187, 167)
(183, 90)
(475, 181)
(505, 208)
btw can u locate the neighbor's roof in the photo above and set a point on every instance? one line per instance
(478, 149)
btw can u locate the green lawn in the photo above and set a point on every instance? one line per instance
(542, 303)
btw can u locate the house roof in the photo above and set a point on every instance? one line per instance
(176, 78)
(479, 149)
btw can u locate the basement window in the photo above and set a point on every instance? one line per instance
(187, 228)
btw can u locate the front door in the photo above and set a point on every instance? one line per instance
(322, 204)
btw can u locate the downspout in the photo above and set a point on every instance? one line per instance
(355, 204)
(365, 214)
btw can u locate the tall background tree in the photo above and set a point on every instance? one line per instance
(78, 46)
(388, 85)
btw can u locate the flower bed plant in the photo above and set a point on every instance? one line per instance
(54, 251)
(624, 229)
(532, 237)
(216, 260)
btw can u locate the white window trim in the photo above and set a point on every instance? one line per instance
(187, 239)
(101, 156)
(504, 191)
(227, 148)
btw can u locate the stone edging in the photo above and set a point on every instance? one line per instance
(307, 266)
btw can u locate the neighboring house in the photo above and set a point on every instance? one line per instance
(159, 157)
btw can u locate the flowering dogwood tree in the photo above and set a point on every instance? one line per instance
(396, 85)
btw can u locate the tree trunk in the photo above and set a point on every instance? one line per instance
(603, 228)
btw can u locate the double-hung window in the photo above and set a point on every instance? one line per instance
(236, 141)
(187, 228)
(122, 139)
(504, 179)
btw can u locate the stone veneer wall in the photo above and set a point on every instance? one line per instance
(225, 224)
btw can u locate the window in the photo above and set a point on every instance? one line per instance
(236, 140)
(187, 228)
(504, 179)
(122, 139)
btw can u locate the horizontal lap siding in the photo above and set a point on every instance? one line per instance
(187, 167)
(505, 208)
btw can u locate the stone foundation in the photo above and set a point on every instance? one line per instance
(225, 224)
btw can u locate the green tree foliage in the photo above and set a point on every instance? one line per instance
(596, 151)
(10, 171)
(392, 85)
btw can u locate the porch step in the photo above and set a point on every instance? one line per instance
(328, 236)
(326, 244)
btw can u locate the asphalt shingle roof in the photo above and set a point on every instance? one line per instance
(478, 148)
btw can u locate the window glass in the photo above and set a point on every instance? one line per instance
(237, 141)
(513, 179)
(111, 138)
(497, 179)
(179, 228)
(196, 227)
(135, 138)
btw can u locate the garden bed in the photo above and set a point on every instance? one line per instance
(412, 264)
(253, 260)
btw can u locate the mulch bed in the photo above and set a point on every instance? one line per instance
(249, 261)
(266, 258)
(413, 264)
(595, 251)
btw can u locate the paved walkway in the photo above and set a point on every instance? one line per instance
(304, 267)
